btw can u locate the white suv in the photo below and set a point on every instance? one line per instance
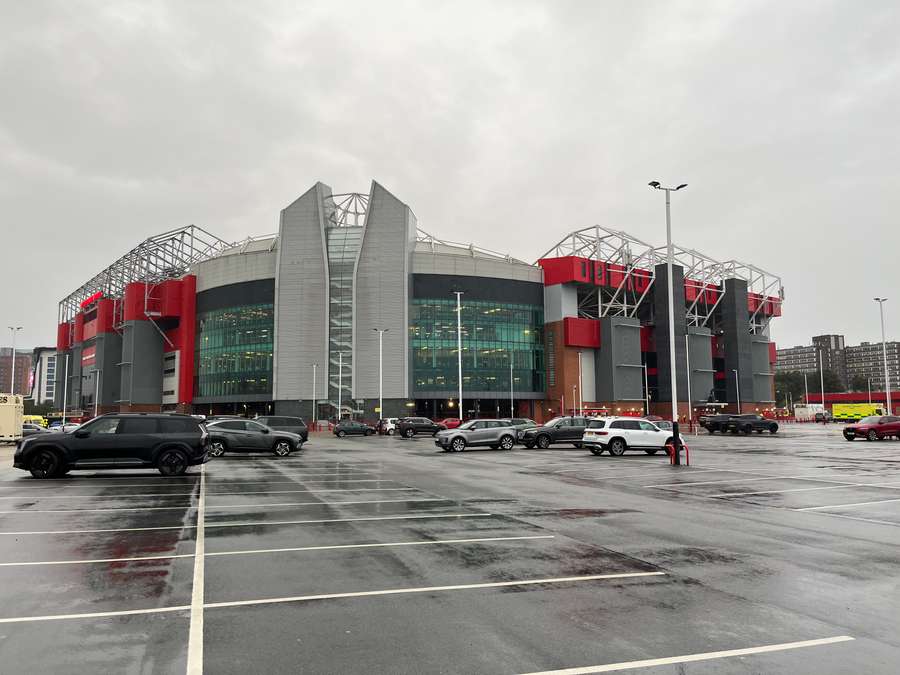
(618, 434)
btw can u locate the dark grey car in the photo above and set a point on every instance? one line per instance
(294, 425)
(492, 433)
(237, 435)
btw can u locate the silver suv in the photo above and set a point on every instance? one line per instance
(493, 433)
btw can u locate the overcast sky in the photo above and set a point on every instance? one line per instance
(504, 123)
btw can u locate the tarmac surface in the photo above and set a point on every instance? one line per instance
(769, 554)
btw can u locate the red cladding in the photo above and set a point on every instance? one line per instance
(105, 315)
(773, 353)
(615, 276)
(188, 327)
(88, 356)
(63, 332)
(718, 351)
(692, 289)
(754, 301)
(566, 269)
(648, 341)
(582, 332)
(772, 306)
(90, 299)
(640, 279)
(720, 375)
(652, 371)
(79, 328)
(169, 295)
(599, 273)
(133, 301)
(89, 330)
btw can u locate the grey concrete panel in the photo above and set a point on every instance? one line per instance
(763, 377)
(381, 296)
(141, 371)
(60, 374)
(460, 262)
(301, 295)
(736, 340)
(702, 374)
(560, 301)
(75, 377)
(235, 268)
(109, 353)
(619, 374)
(661, 333)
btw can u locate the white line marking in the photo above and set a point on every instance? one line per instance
(631, 475)
(225, 482)
(211, 494)
(811, 489)
(257, 524)
(846, 506)
(865, 520)
(228, 506)
(430, 589)
(691, 658)
(195, 633)
(277, 550)
(829, 479)
(96, 615)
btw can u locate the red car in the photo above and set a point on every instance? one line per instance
(451, 422)
(874, 428)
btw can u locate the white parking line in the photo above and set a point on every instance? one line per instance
(429, 542)
(829, 479)
(430, 589)
(865, 520)
(691, 658)
(810, 489)
(630, 475)
(210, 481)
(261, 523)
(195, 631)
(97, 615)
(846, 506)
(137, 495)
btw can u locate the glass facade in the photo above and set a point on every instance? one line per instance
(234, 351)
(343, 244)
(493, 333)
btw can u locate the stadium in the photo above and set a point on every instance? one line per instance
(351, 309)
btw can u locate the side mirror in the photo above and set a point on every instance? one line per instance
(265, 431)
(81, 433)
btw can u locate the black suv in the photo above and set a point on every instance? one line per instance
(295, 425)
(557, 430)
(714, 423)
(746, 424)
(410, 426)
(170, 443)
(240, 435)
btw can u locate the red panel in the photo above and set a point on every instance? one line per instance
(754, 300)
(692, 289)
(79, 328)
(718, 350)
(773, 306)
(91, 299)
(599, 273)
(640, 279)
(188, 328)
(169, 295)
(134, 302)
(63, 332)
(773, 353)
(720, 375)
(712, 294)
(566, 269)
(582, 332)
(615, 274)
(652, 371)
(89, 329)
(648, 339)
(105, 316)
(89, 356)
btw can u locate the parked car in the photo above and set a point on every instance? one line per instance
(714, 423)
(387, 426)
(520, 424)
(823, 417)
(450, 422)
(665, 425)
(240, 435)
(352, 427)
(618, 434)
(30, 429)
(170, 443)
(492, 433)
(557, 430)
(410, 426)
(874, 428)
(746, 424)
(294, 425)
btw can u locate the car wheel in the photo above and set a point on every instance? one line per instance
(747, 430)
(369, 432)
(543, 442)
(216, 449)
(529, 445)
(712, 429)
(849, 437)
(507, 443)
(872, 435)
(45, 463)
(458, 444)
(172, 462)
(616, 447)
(773, 428)
(759, 431)
(391, 432)
(577, 445)
(409, 433)
(651, 451)
(282, 449)
(341, 433)
(597, 451)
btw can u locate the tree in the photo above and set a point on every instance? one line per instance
(792, 381)
(32, 408)
(859, 383)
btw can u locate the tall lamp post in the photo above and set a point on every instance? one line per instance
(340, 383)
(676, 441)
(887, 381)
(315, 367)
(12, 378)
(512, 408)
(381, 332)
(580, 394)
(822, 382)
(737, 384)
(459, 348)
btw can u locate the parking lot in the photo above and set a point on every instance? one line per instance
(769, 554)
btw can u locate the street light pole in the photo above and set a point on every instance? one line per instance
(646, 389)
(806, 388)
(580, 393)
(459, 349)
(340, 382)
(737, 383)
(822, 381)
(381, 332)
(869, 387)
(12, 378)
(512, 409)
(65, 389)
(887, 381)
(676, 441)
(687, 363)
(314, 402)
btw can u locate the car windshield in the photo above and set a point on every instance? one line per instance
(873, 419)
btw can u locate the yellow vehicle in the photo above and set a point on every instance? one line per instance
(853, 412)
(40, 420)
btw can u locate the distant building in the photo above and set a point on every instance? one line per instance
(23, 371)
(801, 359)
(831, 348)
(865, 360)
(43, 387)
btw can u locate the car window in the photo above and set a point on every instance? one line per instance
(578, 421)
(104, 425)
(618, 424)
(564, 423)
(178, 425)
(231, 425)
(646, 426)
(596, 424)
(254, 426)
(137, 425)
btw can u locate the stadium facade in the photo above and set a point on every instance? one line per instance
(297, 322)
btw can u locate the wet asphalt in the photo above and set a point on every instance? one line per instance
(417, 561)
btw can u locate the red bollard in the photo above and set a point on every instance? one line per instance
(670, 450)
